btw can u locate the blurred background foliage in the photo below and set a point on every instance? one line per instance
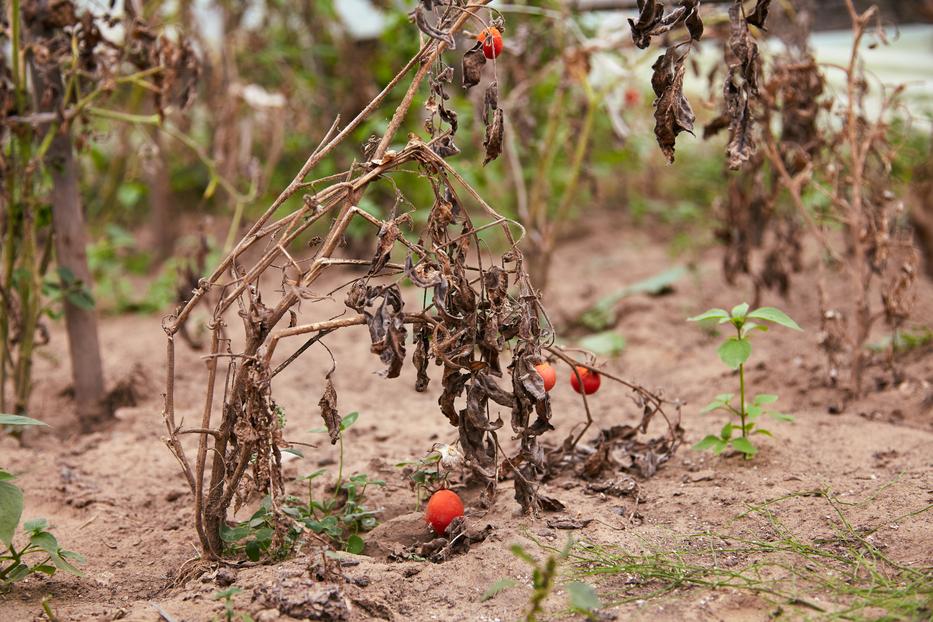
(276, 74)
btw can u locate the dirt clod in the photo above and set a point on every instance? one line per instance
(302, 598)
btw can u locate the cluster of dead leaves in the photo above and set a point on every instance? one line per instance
(456, 540)
(672, 112)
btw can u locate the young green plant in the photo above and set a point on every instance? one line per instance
(734, 352)
(41, 551)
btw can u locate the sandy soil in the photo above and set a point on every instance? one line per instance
(119, 498)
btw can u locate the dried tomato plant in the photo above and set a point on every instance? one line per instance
(850, 141)
(787, 140)
(480, 305)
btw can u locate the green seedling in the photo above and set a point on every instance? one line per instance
(734, 352)
(41, 551)
(230, 613)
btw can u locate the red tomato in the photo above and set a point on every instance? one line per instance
(548, 374)
(443, 507)
(491, 39)
(591, 381)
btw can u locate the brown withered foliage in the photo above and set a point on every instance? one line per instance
(471, 307)
(465, 310)
(672, 111)
(788, 140)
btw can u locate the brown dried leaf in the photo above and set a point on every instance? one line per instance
(739, 89)
(473, 61)
(565, 522)
(421, 20)
(759, 14)
(382, 307)
(652, 21)
(329, 412)
(494, 135)
(672, 111)
(385, 242)
(420, 357)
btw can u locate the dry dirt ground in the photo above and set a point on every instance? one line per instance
(119, 498)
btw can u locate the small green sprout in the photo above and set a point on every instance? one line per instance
(734, 352)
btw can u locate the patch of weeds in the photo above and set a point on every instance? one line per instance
(904, 341)
(734, 352)
(581, 597)
(844, 577)
(340, 516)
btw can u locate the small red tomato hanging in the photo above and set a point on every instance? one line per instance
(590, 379)
(491, 39)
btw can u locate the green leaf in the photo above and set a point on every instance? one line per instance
(712, 314)
(780, 416)
(253, 551)
(520, 553)
(739, 312)
(355, 544)
(726, 432)
(764, 432)
(11, 509)
(81, 298)
(750, 326)
(607, 343)
(753, 412)
(18, 572)
(35, 525)
(602, 315)
(714, 405)
(765, 398)
(734, 352)
(20, 420)
(777, 316)
(315, 474)
(47, 542)
(710, 442)
(582, 596)
(293, 451)
(233, 534)
(499, 586)
(744, 445)
(349, 420)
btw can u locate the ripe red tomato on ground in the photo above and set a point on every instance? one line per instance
(590, 379)
(443, 507)
(548, 375)
(491, 39)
